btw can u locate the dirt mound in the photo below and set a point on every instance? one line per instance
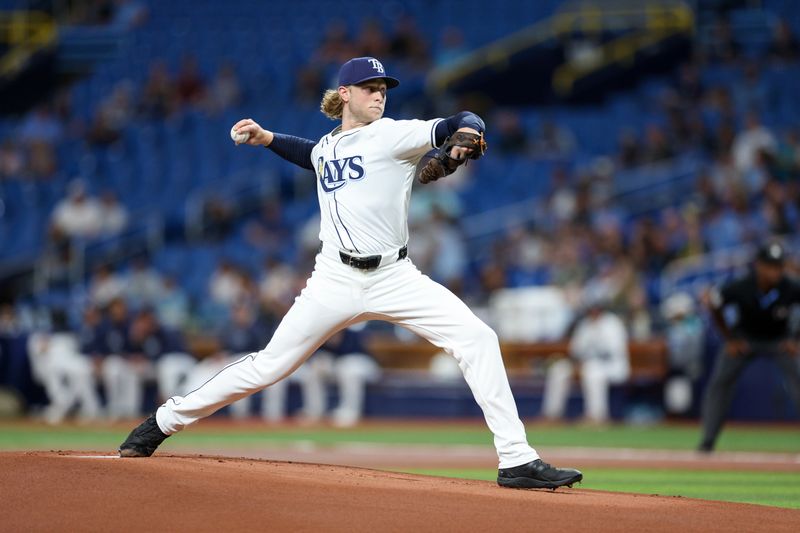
(71, 491)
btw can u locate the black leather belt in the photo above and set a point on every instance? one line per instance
(370, 262)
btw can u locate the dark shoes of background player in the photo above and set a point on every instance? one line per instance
(143, 440)
(537, 475)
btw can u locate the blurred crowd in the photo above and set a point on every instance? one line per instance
(747, 190)
(32, 153)
(104, 368)
(579, 239)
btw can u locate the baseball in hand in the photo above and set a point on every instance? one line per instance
(239, 137)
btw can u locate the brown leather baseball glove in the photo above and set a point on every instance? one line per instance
(441, 164)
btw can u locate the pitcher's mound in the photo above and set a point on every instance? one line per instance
(79, 491)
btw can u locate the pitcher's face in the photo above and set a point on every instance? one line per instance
(367, 100)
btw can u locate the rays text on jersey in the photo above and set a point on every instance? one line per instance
(335, 173)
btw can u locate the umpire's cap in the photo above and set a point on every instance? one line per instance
(361, 69)
(771, 252)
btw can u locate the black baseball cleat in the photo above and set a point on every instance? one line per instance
(537, 475)
(143, 440)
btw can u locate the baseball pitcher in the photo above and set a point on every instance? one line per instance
(365, 168)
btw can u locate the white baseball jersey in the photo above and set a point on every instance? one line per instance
(364, 179)
(364, 183)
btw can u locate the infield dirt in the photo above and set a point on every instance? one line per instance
(80, 491)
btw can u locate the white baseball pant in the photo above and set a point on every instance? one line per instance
(337, 296)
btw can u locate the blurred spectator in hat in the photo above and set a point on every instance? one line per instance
(685, 338)
(78, 215)
(752, 314)
(599, 348)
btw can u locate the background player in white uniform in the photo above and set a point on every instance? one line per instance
(365, 170)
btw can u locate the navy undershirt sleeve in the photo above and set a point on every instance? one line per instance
(293, 149)
(464, 119)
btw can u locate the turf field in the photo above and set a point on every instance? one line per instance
(777, 488)
(20, 436)
(780, 489)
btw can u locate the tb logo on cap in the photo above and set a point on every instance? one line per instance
(377, 66)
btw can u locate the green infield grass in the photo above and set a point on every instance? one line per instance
(779, 489)
(36, 436)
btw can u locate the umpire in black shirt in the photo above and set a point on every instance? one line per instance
(757, 307)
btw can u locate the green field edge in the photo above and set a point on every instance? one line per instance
(775, 489)
(755, 439)
(771, 489)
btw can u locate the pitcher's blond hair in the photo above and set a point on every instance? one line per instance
(332, 104)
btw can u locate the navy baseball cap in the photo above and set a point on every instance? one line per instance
(771, 253)
(361, 69)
